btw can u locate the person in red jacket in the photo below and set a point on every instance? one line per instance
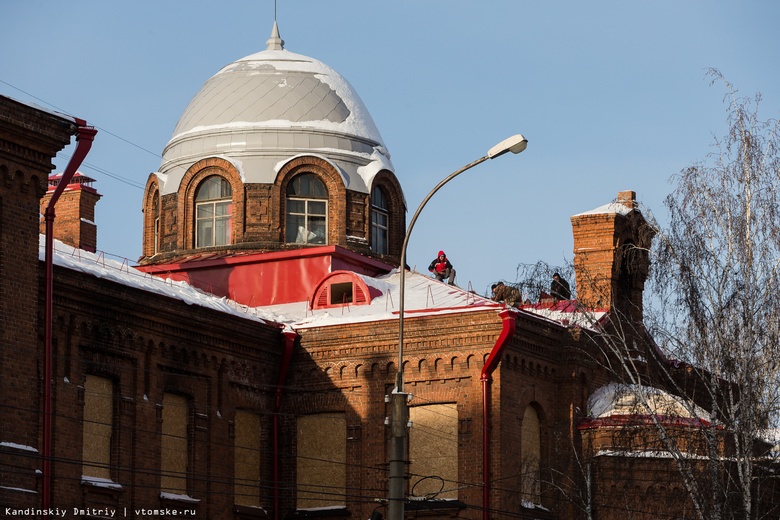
(442, 269)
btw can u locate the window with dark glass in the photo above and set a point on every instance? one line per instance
(380, 219)
(213, 212)
(307, 210)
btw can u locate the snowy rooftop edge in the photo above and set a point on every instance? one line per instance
(122, 273)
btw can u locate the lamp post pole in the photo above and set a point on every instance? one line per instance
(399, 399)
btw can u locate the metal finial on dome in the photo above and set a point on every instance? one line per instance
(275, 42)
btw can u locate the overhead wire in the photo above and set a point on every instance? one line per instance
(103, 171)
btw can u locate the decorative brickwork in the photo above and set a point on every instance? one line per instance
(154, 218)
(188, 187)
(148, 347)
(259, 212)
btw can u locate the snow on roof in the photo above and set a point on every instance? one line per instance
(121, 272)
(617, 399)
(613, 208)
(649, 454)
(566, 312)
(423, 296)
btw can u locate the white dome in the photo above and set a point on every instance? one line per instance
(267, 108)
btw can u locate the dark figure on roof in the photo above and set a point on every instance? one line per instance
(559, 288)
(442, 269)
(506, 293)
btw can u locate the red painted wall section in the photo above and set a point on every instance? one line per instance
(267, 278)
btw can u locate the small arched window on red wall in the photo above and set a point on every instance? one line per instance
(341, 288)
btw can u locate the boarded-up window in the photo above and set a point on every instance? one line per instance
(433, 450)
(530, 450)
(174, 453)
(98, 427)
(322, 457)
(246, 449)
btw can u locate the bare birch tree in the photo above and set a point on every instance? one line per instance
(714, 307)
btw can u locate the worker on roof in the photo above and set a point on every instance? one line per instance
(442, 269)
(506, 293)
(559, 288)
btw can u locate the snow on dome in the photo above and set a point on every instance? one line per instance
(272, 105)
(619, 399)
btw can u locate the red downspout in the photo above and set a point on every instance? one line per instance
(508, 330)
(289, 342)
(84, 137)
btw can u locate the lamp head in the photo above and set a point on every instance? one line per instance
(515, 144)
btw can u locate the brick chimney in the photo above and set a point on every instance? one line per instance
(75, 212)
(611, 259)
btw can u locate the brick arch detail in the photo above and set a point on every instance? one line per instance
(186, 198)
(388, 183)
(152, 188)
(337, 195)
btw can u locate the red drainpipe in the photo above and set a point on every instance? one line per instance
(84, 137)
(289, 342)
(508, 330)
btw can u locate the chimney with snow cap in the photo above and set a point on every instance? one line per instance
(75, 224)
(611, 260)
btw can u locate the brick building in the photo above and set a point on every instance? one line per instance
(241, 370)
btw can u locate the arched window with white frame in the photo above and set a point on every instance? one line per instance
(213, 212)
(307, 210)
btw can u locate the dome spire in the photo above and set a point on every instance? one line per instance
(275, 42)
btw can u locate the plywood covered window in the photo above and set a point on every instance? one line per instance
(98, 426)
(213, 212)
(433, 450)
(174, 453)
(321, 461)
(307, 210)
(246, 451)
(531, 452)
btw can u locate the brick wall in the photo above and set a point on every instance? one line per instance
(351, 368)
(151, 345)
(29, 139)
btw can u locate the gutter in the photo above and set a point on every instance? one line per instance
(289, 343)
(509, 324)
(84, 137)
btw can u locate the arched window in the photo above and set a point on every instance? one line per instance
(156, 217)
(213, 212)
(380, 221)
(307, 210)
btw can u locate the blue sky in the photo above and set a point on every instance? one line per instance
(612, 96)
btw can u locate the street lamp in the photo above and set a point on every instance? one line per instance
(399, 399)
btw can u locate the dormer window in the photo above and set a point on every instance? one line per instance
(307, 210)
(213, 212)
(343, 287)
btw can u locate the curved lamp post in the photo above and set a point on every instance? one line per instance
(400, 406)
